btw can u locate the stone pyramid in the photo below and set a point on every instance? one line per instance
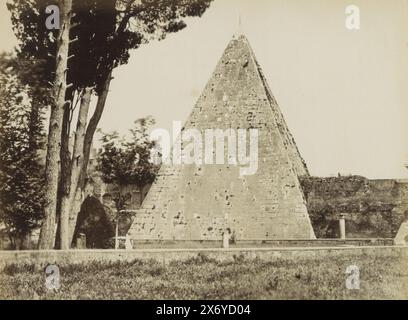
(199, 202)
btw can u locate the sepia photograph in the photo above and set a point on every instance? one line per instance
(203, 150)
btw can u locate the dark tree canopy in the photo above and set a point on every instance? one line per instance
(106, 31)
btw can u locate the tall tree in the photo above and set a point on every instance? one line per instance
(22, 105)
(52, 168)
(106, 31)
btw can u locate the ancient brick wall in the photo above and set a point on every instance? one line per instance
(372, 208)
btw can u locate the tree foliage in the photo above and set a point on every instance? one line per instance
(106, 31)
(128, 161)
(22, 104)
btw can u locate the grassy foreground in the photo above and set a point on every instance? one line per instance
(204, 278)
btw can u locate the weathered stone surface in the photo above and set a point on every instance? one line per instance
(189, 202)
(372, 208)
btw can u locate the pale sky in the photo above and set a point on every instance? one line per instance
(343, 93)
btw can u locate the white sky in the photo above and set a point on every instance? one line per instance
(343, 93)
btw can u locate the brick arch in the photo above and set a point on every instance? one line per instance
(95, 222)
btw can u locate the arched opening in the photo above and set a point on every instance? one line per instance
(94, 222)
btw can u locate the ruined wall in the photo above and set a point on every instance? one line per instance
(189, 202)
(108, 193)
(98, 213)
(373, 208)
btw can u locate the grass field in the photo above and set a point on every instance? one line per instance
(204, 278)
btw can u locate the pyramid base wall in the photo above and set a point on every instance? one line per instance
(211, 228)
(151, 244)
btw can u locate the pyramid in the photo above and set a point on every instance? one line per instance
(199, 202)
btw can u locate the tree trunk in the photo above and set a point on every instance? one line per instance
(47, 234)
(65, 157)
(90, 131)
(76, 163)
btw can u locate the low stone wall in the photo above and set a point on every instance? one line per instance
(138, 244)
(64, 257)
